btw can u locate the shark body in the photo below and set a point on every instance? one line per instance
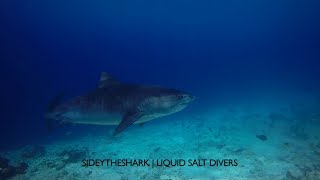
(120, 104)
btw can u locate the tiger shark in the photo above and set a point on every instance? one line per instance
(116, 103)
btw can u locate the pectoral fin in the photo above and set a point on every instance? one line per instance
(127, 120)
(141, 124)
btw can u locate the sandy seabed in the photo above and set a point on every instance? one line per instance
(268, 143)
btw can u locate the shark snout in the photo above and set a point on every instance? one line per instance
(187, 98)
(192, 98)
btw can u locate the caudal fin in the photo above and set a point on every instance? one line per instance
(51, 106)
(55, 102)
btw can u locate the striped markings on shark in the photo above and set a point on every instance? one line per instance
(116, 103)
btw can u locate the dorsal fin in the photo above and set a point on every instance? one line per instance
(52, 105)
(106, 80)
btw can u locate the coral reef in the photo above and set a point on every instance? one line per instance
(262, 137)
(3, 163)
(8, 171)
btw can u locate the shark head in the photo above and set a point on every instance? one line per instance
(167, 102)
(64, 111)
(156, 102)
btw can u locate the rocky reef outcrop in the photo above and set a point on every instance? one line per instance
(8, 171)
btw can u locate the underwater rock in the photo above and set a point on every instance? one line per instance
(8, 171)
(4, 163)
(22, 168)
(32, 151)
(74, 155)
(262, 137)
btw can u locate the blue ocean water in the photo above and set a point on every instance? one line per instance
(254, 66)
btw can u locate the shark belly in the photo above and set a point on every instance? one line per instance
(98, 118)
(104, 118)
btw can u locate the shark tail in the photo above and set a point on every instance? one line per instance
(49, 124)
(51, 106)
